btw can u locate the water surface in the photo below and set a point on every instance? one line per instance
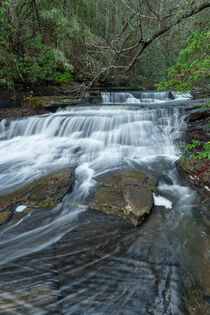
(72, 260)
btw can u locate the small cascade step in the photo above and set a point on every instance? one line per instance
(133, 97)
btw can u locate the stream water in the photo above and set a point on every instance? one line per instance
(72, 260)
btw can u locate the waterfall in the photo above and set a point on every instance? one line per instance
(72, 260)
(135, 97)
(101, 136)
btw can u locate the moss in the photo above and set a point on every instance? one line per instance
(36, 103)
(41, 192)
(4, 216)
(47, 203)
(47, 101)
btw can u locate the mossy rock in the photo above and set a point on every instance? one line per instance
(53, 101)
(124, 193)
(46, 191)
(5, 216)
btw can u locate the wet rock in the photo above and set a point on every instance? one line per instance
(54, 101)
(197, 171)
(44, 192)
(166, 179)
(198, 126)
(198, 117)
(125, 193)
(19, 112)
(5, 216)
(93, 99)
(201, 92)
(21, 299)
(171, 96)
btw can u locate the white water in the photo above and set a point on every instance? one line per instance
(121, 269)
(20, 208)
(95, 140)
(142, 97)
(161, 201)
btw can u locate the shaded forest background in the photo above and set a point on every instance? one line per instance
(81, 43)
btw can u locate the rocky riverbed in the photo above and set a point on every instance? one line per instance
(70, 259)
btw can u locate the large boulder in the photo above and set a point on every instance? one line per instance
(44, 192)
(125, 193)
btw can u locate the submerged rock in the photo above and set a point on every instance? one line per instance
(125, 193)
(44, 192)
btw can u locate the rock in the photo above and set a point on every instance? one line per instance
(93, 98)
(197, 172)
(18, 112)
(194, 170)
(36, 295)
(125, 193)
(171, 96)
(54, 101)
(201, 92)
(94, 93)
(43, 192)
(198, 126)
(5, 216)
(199, 116)
(199, 120)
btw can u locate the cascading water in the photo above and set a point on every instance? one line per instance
(70, 260)
(136, 97)
(86, 135)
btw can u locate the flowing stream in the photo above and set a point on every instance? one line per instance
(73, 260)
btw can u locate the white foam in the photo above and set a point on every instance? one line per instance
(20, 208)
(93, 139)
(161, 201)
(182, 96)
(207, 188)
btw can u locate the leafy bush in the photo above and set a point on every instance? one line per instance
(193, 64)
(65, 77)
(35, 65)
(204, 153)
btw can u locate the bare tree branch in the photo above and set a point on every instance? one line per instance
(142, 44)
(164, 29)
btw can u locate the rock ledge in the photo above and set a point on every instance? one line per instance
(125, 193)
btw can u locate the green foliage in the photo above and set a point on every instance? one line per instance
(41, 41)
(30, 102)
(193, 64)
(205, 107)
(203, 153)
(65, 77)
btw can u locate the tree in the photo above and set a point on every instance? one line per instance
(192, 67)
(90, 40)
(145, 24)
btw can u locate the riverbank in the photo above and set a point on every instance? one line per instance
(196, 170)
